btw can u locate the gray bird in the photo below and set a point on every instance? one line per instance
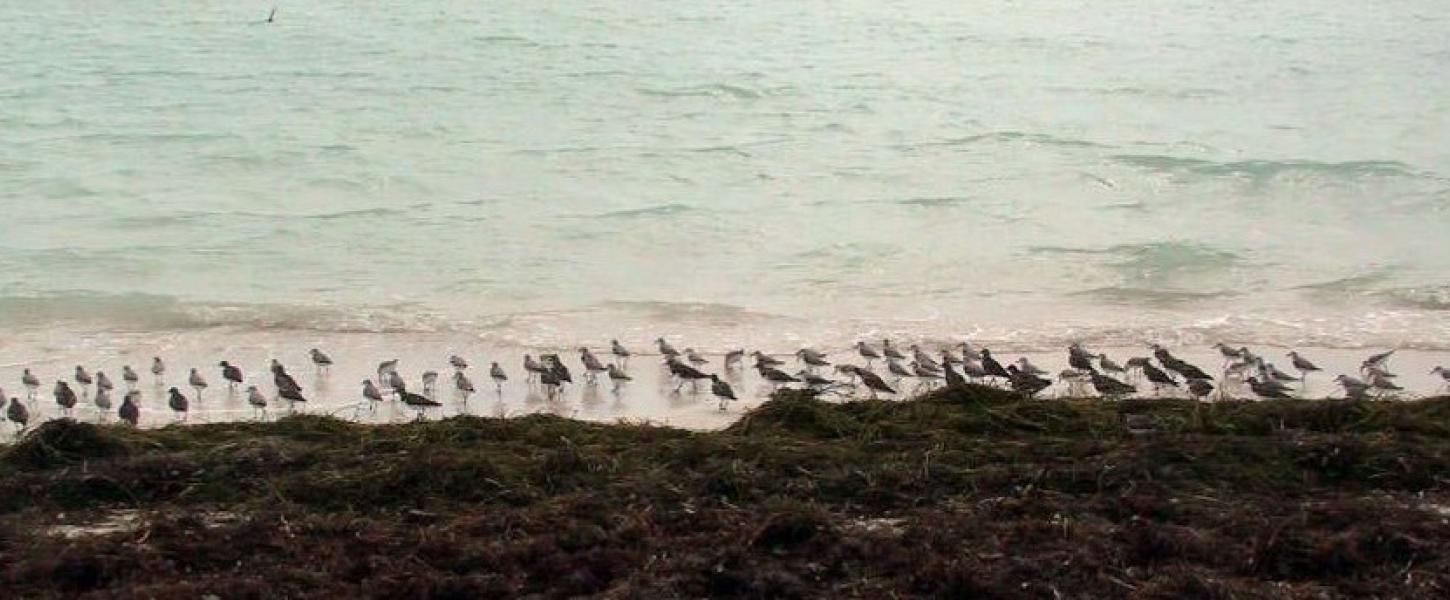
(685, 373)
(31, 382)
(1267, 392)
(954, 379)
(773, 375)
(430, 380)
(812, 358)
(457, 362)
(813, 380)
(868, 353)
(733, 358)
(462, 383)
(666, 349)
(1302, 364)
(874, 382)
(617, 375)
(496, 373)
(387, 366)
(1200, 388)
(532, 368)
(1444, 375)
(158, 370)
(620, 352)
(231, 373)
(371, 392)
(103, 382)
(890, 351)
(694, 357)
(83, 378)
(592, 366)
(1380, 382)
(762, 358)
(1108, 365)
(320, 359)
(258, 401)
(197, 382)
(1027, 367)
(1376, 360)
(129, 377)
(417, 402)
(923, 359)
(103, 400)
(1109, 387)
(395, 381)
(1354, 389)
(895, 368)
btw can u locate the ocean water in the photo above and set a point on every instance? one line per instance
(754, 173)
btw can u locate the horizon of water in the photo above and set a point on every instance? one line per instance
(760, 173)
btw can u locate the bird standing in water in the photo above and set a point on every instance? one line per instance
(129, 376)
(321, 360)
(1303, 365)
(197, 382)
(232, 374)
(620, 352)
(722, 390)
(257, 401)
(32, 383)
(83, 378)
(178, 403)
(65, 397)
(617, 376)
(496, 373)
(158, 370)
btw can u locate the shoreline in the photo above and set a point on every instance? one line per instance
(957, 492)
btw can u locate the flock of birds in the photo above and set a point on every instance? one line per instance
(954, 366)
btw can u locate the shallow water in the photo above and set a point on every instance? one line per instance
(760, 174)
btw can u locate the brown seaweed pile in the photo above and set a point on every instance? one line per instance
(962, 493)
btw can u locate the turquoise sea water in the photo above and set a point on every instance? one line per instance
(1030, 172)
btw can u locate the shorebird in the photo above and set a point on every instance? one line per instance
(197, 382)
(923, 359)
(924, 376)
(992, 367)
(31, 382)
(430, 380)
(1444, 375)
(620, 352)
(954, 379)
(371, 393)
(890, 351)
(232, 374)
(276, 367)
(258, 402)
(1177, 365)
(973, 370)
(721, 390)
(395, 382)
(694, 357)
(1107, 364)
(129, 376)
(617, 375)
(550, 380)
(103, 402)
(293, 394)
(773, 375)
(1080, 359)
(1265, 390)
(812, 379)
(462, 384)
(762, 358)
(18, 414)
(285, 382)
(592, 366)
(1026, 383)
(1158, 377)
(665, 348)
(1376, 360)
(178, 403)
(1228, 353)
(968, 352)
(1302, 364)
(733, 358)
(1271, 373)
(1354, 389)
(1200, 388)
(385, 367)
(1380, 382)
(894, 367)
(457, 362)
(103, 382)
(496, 373)
(83, 378)
(532, 368)
(158, 370)
(1109, 387)
(1027, 367)
(811, 358)
(685, 373)
(130, 411)
(874, 382)
(417, 402)
(868, 353)
(65, 397)
(556, 366)
(947, 358)
(321, 360)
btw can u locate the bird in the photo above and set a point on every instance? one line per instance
(371, 393)
(457, 362)
(178, 403)
(924, 375)
(417, 402)
(1026, 383)
(923, 359)
(868, 353)
(65, 397)
(954, 379)
(992, 367)
(1270, 372)
(1109, 387)
(129, 376)
(496, 373)
(812, 379)
(890, 351)
(1443, 373)
(1376, 360)
(973, 370)
(733, 358)
(592, 366)
(773, 375)
(103, 382)
(722, 390)
(31, 382)
(665, 348)
(620, 352)
(320, 359)
(557, 367)
(894, 367)
(18, 414)
(874, 382)
(387, 366)
(1302, 364)
(685, 373)
(694, 357)
(130, 411)
(1354, 388)
(83, 378)
(462, 383)
(1027, 367)
(947, 358)
(103, 400)
(276, 366)
(197, 382)
(158, 370)
(293, 394)
(430, 379)
(617, 375)
(532, 368)
(812, 358)
(1200, 388)
(1080, 359)
(1108, 365)
(284, 381)
(1229, 354)
(1158, 377)
(550, 380)
(232, 374)
(1263, 390)
(1380, 382)
(762, 358)
(395, 382)
(259, 401)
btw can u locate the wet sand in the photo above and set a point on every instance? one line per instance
(651, 397)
